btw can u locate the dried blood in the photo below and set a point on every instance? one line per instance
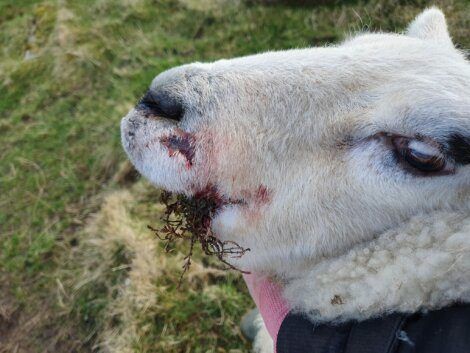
(180, 143)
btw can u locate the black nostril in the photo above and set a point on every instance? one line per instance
(161, 104)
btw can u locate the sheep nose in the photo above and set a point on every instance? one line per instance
(161, 104)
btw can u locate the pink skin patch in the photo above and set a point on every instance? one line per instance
(211, 192)
(257, 198)
(180, 143)
(262, 195)
(251, 202)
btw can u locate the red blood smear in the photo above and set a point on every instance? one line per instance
(180, 143)
(262, 195)
(210, 192)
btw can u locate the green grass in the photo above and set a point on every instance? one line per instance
(69, 70)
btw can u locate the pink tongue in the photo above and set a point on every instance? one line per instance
(180, 143)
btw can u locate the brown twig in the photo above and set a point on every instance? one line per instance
(190, 219)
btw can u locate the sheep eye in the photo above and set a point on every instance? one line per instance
(419, 155)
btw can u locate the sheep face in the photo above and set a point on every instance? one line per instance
(313, 150)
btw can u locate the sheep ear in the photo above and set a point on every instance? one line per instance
(430, 25)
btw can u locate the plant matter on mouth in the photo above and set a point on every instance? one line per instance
(190, 219)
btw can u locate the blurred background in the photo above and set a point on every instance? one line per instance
(79, 270)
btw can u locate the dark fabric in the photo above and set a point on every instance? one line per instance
(440, 331)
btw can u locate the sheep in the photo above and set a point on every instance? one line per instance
(350, 165)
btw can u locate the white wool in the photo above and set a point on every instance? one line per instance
(423, 264)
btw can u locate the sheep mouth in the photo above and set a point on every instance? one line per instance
(210, 195)
(199, 209)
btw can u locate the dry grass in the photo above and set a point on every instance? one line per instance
(124, 257)
(111, 231)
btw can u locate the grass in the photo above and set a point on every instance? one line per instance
(79, 271)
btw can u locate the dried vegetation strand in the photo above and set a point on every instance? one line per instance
(190, 219)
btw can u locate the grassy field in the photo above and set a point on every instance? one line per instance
(79, 271)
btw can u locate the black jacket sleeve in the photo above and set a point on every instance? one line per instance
(441, 331)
